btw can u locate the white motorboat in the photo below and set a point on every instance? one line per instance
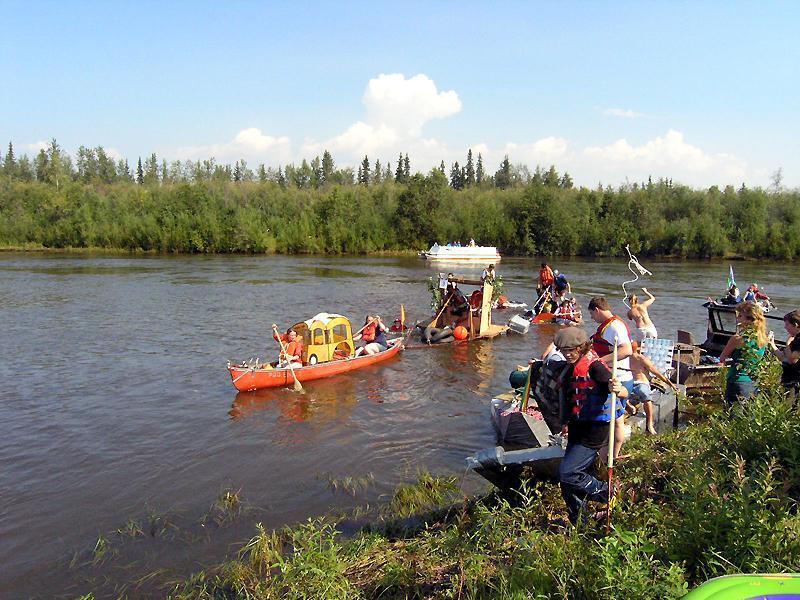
(487, 254)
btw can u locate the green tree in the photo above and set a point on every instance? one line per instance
(502, 178)
(9, 162)
(406, 168)
(106, 170)
(377, 173)
(566, 181)
(40, 165)
(327, 167)
(479, 172)
(456, 177)
(151, 170)
(139, 172)
(469, 178)
(551, 178)
(363, 178)
(399, 174)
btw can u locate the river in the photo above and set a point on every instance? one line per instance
(117, 407)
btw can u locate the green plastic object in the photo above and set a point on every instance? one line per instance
(749, 587)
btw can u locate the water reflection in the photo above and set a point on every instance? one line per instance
(321, 401)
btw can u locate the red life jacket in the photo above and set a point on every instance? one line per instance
(590, 403)
(602, 346)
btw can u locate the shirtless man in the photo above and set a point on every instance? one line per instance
(641, 318)
(642, 368)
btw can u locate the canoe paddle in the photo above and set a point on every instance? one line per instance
(613, 422)
(297, 386)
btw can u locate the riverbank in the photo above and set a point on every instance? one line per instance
(716, 498)
(266, 218)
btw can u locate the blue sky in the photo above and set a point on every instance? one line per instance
(703, 92)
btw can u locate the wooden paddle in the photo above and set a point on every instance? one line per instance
(297, 386)
(436, 318)
(612, 425)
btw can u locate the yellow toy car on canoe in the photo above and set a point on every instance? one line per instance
(328, 349)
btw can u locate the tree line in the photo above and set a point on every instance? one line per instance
(316, 207)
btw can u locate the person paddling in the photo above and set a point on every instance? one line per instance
(291, 348)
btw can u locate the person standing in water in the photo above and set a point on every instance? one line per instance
(641, 318)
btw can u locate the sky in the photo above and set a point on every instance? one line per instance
(704, 93)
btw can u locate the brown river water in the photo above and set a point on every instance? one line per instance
(116, 404)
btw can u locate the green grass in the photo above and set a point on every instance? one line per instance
(715, 498)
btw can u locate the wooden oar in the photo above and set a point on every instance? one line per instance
(612, 425)
(297, 386)
(436, 318)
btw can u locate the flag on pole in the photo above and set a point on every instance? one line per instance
(731, 280)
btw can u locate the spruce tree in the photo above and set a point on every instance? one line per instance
(164, 171)
(406, 168)
(551, 178)
(455, 177)
(316, 173)
(327, 167)
(139, 172)
(387, 174)
(398, 174)
(377, 172)
(364, 179)
(502, 178)
(479, 172)
(469, 177)
(262, 173)
(9, 163)
(442, 169)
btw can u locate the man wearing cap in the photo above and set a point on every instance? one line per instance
(588, 399)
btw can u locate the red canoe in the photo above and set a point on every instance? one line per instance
(249, 379)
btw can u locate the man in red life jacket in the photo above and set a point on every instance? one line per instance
(609, 328)
(588, 399)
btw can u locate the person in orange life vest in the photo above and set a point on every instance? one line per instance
(373, 335)
(284, 337)
(589, 387)
(294, 350)
(546, 278)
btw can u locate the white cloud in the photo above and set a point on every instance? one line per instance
(35, 147)
(251, 144)
(623, 113)
(405, 105)
(541, 152)
(668, 156)
(397, 109)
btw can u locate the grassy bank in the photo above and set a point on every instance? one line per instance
(716, 498)
(656, 219)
